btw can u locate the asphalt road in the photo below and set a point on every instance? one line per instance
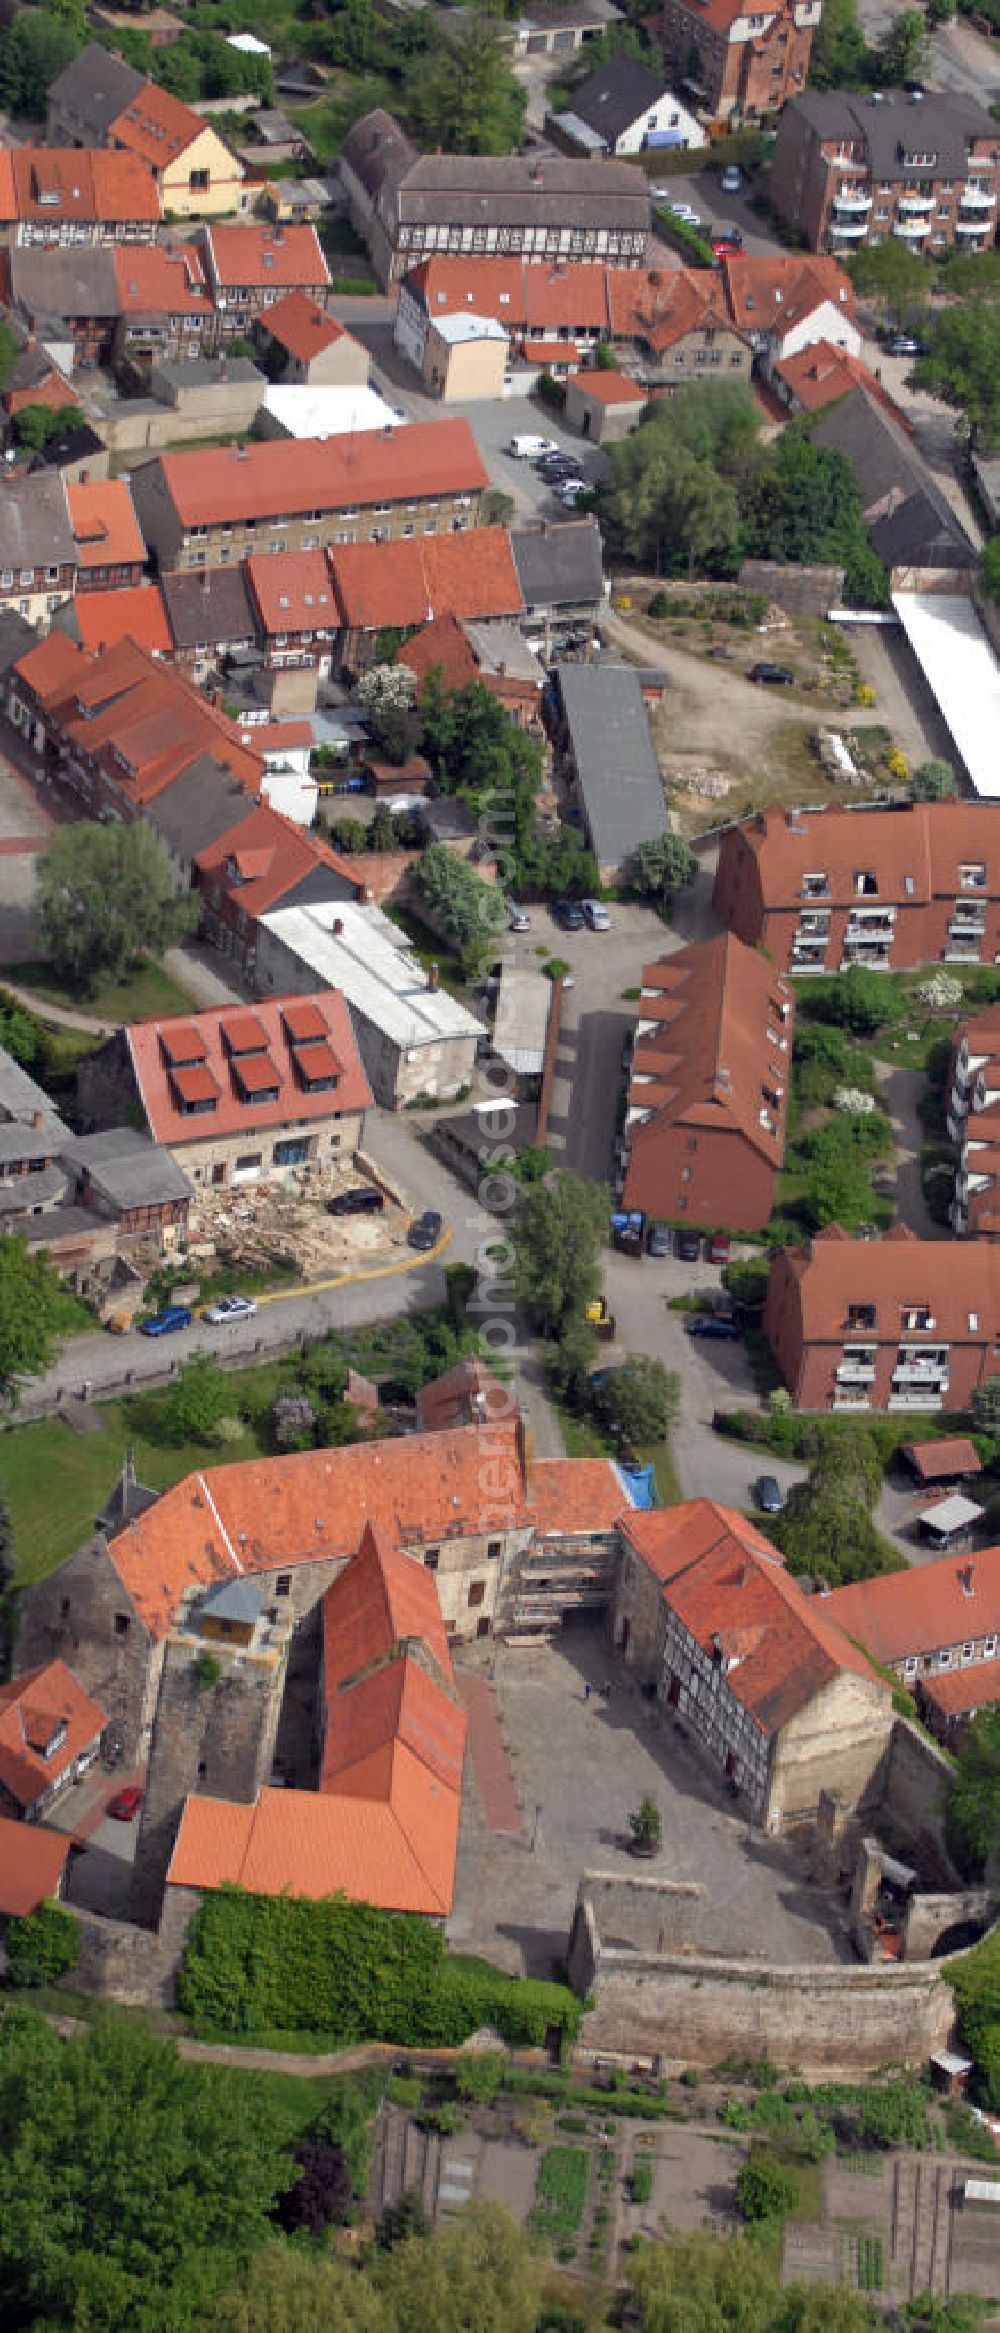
(959, 58)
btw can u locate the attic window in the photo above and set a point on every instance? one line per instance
(908, 886)
(973, 1320)
(46, 1744)
(861, 1316)
(917, 1316)
(865, 884)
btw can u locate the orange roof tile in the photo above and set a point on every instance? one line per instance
(466, 1395)
(915, 853)
(317, 1843)
(32, 1862)
(956, 1281)
(279, 477)
(570, 1495)
(939, 1461)
(552, 352)
(161, 279)
(302, 326)
(246, 1089)
(157, 126)
(105, 527)
(470, 575)
(103, 618)
(961, 1692)
(266, 857)
(55, 185)
(127, 711)
(660, 307)
(292, 591)
(731, 1591)
(441, 645)
(781, 291)
(51, 668)
(821, 372)
(611, 388)
(257, 256)
(8, 198)
(47, 1721)
(52, 391)
(713, 1041)
(905, 1615)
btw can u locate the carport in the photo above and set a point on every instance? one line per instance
(950, 1519)
(947, 638)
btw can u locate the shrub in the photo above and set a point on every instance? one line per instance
(659, 606)
(404, 2090)
(206, 1672)
(43, 1946)
(480, 2076)
(764, 2190)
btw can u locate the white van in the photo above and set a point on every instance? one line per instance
(529, 449)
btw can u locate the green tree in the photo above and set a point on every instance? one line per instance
(858, 1001)
(43, 1946)
(703, 2283)
(989, 568)
(985, 1407)
(890, 272)
(198, 1398)
(132, 2186)
(826, 1530)
(839, 54)
(892, 2114)
(31, 1303)
(764, 2188)
(640, 1398)
(469, 913)
(479, 2075)
(903, 49)
(671, 495)
(106, 899)
(805, 507)
(463, 97)
(962, 365)
(569, 1363)
(557, 1234)
(34, 425)
(35, 49)
(933, 781)
(659, 869)
(975, 1979)
(973, 1803)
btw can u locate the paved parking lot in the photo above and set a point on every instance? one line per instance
(703, 190)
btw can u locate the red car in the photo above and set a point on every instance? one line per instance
(727, 243)
(719, 1248)
(125, 1807)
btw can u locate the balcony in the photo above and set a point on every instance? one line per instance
(856, 1373)
(915, 1380)
(860, 951)
(850, 1398)
(908, 230)
(847, 230)
(916, 1401)
(980, 226)
(814, 924)
(962, 952)
(914, 204)
(852, 198)
(978, 198)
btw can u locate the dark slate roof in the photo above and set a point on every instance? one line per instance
(940, 123)
(614, 97)
(57, 284)
(560, 566)
(202, 804)
(77, 444)
(34, 524)
(209, 608)
(471, 190)
(127, 1167)
(377, 148)
(16, 635)
(894, 477)
(234, 1600)
(97, 86)
(613, 754)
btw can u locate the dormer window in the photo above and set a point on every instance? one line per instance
(861, 1316)
(865, 884)
(917, 1316)
(972, 877)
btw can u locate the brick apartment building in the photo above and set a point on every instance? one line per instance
(708, 1090)
(921, 1623)
(735, 61)
(211, 508)
(893, 1324)
(973, 1117)
(921, 169)
(824, 889)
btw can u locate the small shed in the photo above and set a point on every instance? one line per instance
(524, 1002)
(950, 2072)
(949, 1519)
(604, 406)
(953, 1459)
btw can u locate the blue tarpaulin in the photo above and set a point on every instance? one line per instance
(640, 1483)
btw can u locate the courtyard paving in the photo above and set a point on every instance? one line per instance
(581, 1764)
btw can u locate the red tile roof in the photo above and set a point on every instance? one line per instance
(570, 1496)
(540, 297)
(301, 326)
(52, 668)
(141, 721)
(915, 853)
(255, 256)
(292, 591)
(611, 388)
(103, 618)
(660, 307)
(779, 292)
(941, 1461)
(212, 486)
(105, 527)
(32, 1862)
(961, 1692)
(466, 1395)
(264, 859)
(161, 279)
(730, 1589)
(956, 1281)
(55, 185)
(470, 575)
(8, 198)
(441, 645)
(317, 1843)
(713, 1040)
(821, 372)
(35, 1709)
(158, 127)
(904, 1615)
(247, 1060)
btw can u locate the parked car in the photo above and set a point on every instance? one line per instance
(726, 242)
(773, 676)
(125, 1806)
(713, 1324)
(687, 1245)
(163, 1324)
(570, 491)
(684, 211)
(767, 1495)
(568, 913)
(732, 178)
(527, 448)
(230, 1308)
(518, 919)
(660, 1241)
(719, 1248)
(595, 915)
(426, 1231)
(905, 344)
(359, 1201)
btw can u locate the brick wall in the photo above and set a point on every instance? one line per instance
(215, 1740)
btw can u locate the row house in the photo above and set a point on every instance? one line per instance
(73, 289)
(110, 550)
(789, 302)
(407, 206)
(492, 654)
(210, 617)
(164, 304)
(917, 169)
(119, 728)
(938, 1618)
(973, 1119)
(39, 558)
(212, 506)
(760, 1675)
(51, 196)
(250, 268)
(295, 610)
(99, 101)
(99, 620)
(674, 328)
(738, 61)
(821, 890)
(471, 577)
(267, 864)
(893, 1324)
(708, 1087)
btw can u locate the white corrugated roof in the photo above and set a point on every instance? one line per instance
(330, 411)
(961, 670)
(369, 961)
(466, 326)
(522, 1019)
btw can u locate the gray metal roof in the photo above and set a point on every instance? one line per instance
(524, 1003)
(97, 87)
(500, 649)
(471, 190)
(59, 284)
(209, 372)
(560, 566)
(234, 1600)
(16, 637)
(21, 1194)
(203, 803)
(209, 608)
(615, 763)
(127, 1167)
(34, 523)
(941, 124)
(615, 96)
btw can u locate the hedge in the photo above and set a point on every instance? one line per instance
(975, 1981)
(258, 1963)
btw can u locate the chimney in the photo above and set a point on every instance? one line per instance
(337, 927)
(433, 979)
(36, 1120)
(967, 1578)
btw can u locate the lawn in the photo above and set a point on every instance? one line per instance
(145, 995)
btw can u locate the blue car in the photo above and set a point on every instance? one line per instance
(163, 1324)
